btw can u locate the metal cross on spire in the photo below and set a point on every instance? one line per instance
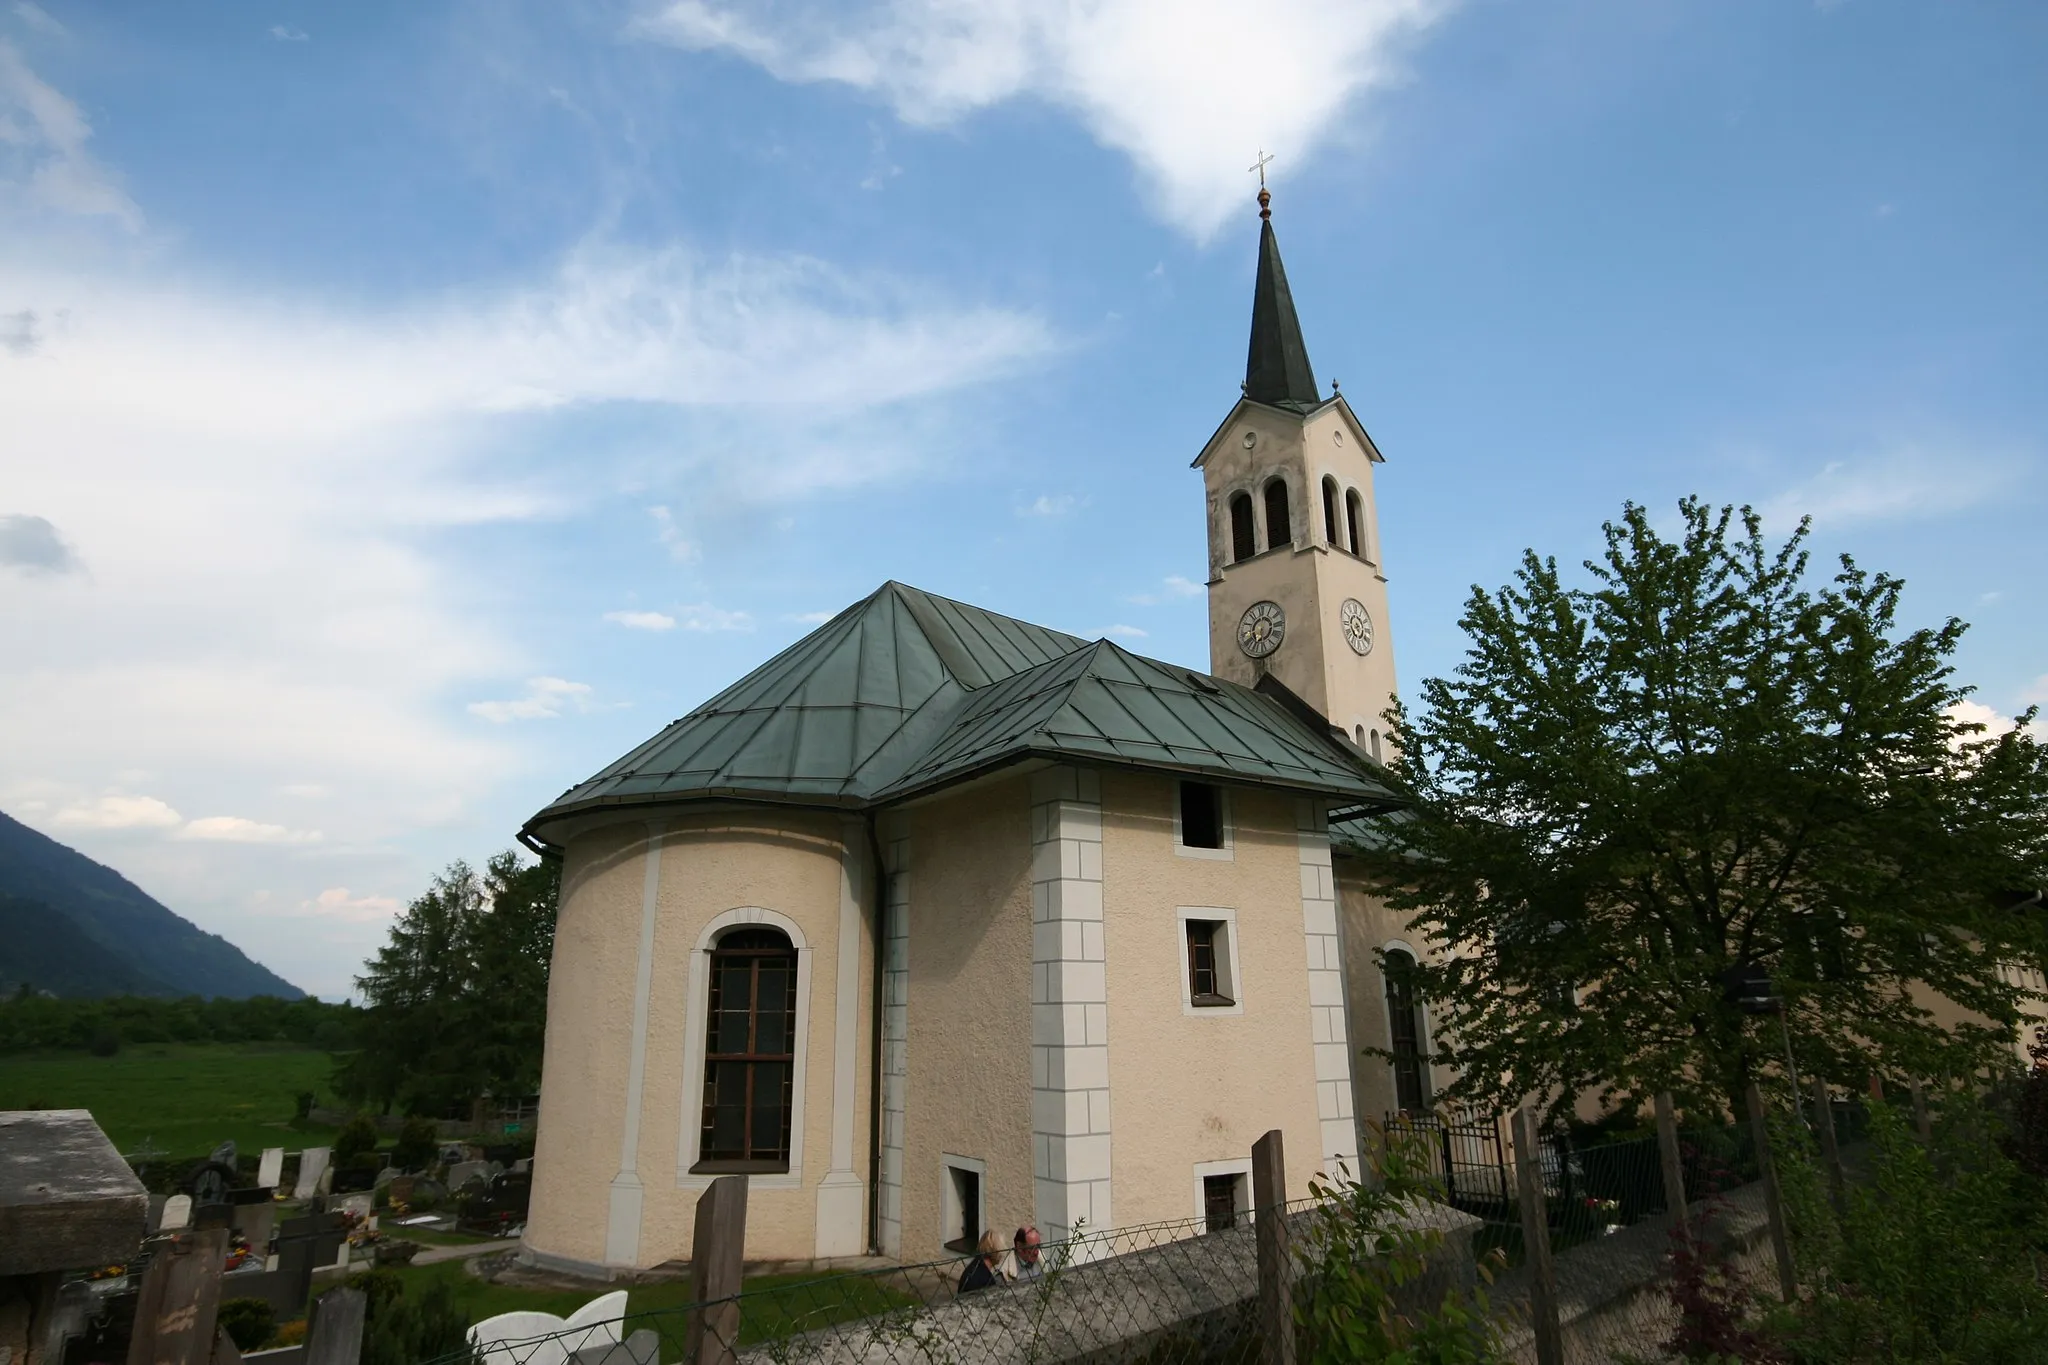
(1265, 198)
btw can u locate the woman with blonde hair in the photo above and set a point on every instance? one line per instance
(981, 1271)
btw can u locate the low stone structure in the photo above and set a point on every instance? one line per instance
(67, 1202)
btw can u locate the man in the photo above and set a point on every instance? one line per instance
(1024, 1263)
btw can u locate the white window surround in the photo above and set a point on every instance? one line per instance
(1226, 960)
(1238, 1166)
(695, 1005)
(1224, 854)
(950, 1212)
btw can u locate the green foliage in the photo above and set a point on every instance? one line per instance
(31, 1022)
(1933, 1260)
(249, 1323)
(418, 1141)
(1368, 1289)
(357, 1142)
(1701, 759)
(457, 998)
(402, 1328)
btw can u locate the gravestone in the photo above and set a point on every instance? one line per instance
(462, 1172)
(254, 1222)
(356, 1204)
(177, 1214)
(213, 1215)
(271, 1168)
(401, 1189)
(312, 1165)
(174, 1313)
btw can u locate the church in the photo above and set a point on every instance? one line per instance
(941, 921)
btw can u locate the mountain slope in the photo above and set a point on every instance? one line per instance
(149, 942)
(47, 951)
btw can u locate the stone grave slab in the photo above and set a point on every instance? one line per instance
(271, 1169)
(312, 1165)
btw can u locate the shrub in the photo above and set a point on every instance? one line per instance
(105, 1042)
(249, 1323)
(1366, 1292)
(401, 1329)
(417, 1143)
(356, 1142)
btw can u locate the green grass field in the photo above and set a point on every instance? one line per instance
(767, 1318)
(184, 1098)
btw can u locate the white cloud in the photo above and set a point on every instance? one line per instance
(1187, 90)
(705, 617)
(1996, 722)
(1907, 483)
(118, 812)
(36, 17)
(43, 159)
(1171, 588)
(680, 547)
(641, 620)
(1048, 505)
(544, 700)
(337, 903)
(285, 33)
(233, 829)
(1121, 632)
(812, 618)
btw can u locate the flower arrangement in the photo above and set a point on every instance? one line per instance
(1606, 1212)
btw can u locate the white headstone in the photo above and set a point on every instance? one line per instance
(272, 1168)
(312, 1165)
(357, 1204)
(462, 1172)
(177, 1213)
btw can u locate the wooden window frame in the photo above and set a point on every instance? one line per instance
(749, 1162)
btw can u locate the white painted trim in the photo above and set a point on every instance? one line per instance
(842, 1195)
(950, 1213)
(895, 965)
(1237, 1165)
(1329, 1023)
(1225, 854)
(694, 1005)
(1233, 975)
(626, 1196)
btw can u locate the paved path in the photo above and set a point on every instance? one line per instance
(430, 1255)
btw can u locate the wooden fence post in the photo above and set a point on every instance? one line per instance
(1536, 1240)
(1674, 1165)
(717, 1267)
(1921, 1119)
(1276, 1258)
(1774, 1200)
(336, 1334)
(180, 1296)
(1830, 1147)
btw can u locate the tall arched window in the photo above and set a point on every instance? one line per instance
(1244, 536)
(1404, 1019)
(750, 1050)
(1278, 531)
(1354, 521)
(1376, 746)
(1330, 513)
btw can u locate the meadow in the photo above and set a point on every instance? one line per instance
(183, 1099)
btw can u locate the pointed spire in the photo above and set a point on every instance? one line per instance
(1277, 370)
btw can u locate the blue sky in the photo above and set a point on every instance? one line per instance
(405, 409)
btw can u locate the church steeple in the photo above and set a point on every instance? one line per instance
(1276, 371)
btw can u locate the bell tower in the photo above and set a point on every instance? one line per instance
(1297, 588)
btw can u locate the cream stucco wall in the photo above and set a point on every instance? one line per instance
(1370, 927)
(602, 1199)
(969, 1009)
(1189, 1088)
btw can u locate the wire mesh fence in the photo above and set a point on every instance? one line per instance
(1188, 1292)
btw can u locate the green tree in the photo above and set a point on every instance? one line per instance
(456, 999)
(1699, 760)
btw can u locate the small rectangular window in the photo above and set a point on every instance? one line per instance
(1220, 1200)
(966, 1187)
(1208, 963)
(1201, 815)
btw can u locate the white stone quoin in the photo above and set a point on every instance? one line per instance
(1070, 1119)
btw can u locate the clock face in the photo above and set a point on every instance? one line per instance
(1357, 625)
(1261, 629)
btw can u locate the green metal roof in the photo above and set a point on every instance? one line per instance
(905, 692)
